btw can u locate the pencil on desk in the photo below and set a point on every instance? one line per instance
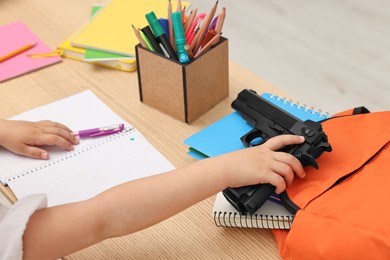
(17, 51)
(195, 44)
(210, 44)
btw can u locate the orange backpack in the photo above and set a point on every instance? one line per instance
(345, 204)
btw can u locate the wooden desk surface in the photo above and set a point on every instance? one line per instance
(191, 234)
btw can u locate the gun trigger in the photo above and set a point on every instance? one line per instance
(307, 160)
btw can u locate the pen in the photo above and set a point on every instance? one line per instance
(101, 131)
(148, 33)
(146, 40)
(179, 37)
(17, 51)
(194, 27)
(160, 35)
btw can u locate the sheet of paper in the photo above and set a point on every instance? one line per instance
(14, 36)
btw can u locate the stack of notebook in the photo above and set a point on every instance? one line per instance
(93, 53)
(108, 39)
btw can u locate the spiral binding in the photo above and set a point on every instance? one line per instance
(234, 219)
(298, 105)
(72, 154)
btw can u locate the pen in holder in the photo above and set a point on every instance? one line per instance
(184, 91)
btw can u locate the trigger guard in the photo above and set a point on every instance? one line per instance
(252, 135)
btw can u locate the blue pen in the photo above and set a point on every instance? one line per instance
(179, 37)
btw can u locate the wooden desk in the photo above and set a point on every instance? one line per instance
(191, 234)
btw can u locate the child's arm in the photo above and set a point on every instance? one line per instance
(23, 137)
(127, 208)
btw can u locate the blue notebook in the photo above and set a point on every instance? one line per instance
(224, 135)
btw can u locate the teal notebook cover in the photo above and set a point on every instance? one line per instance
(224, 135)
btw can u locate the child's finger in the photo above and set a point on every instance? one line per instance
(33, 152)
(280, 141)
(291, 161)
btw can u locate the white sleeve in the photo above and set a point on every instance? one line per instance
(13, 222)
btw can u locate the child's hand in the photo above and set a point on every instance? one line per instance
(263, 164)
(24, 137)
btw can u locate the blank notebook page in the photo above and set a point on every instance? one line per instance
(80, 111)
(85, 173)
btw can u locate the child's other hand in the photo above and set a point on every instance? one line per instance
(264, 164)
(24, 138)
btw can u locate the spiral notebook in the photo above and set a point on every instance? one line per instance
(270, 216)
(95, 165)
(224, 135)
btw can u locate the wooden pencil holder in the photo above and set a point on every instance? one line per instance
(184, 91)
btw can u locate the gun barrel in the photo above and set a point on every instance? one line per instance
(250, 104)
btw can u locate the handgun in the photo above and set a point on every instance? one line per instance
(268, 120)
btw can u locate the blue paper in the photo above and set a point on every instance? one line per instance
(224, 135)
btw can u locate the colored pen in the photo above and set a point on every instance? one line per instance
(149, 34)
(101, 131)
(179, 37)
(146, 40)
(160, 34)
(17, 51)
(165, 25)
(194, 27)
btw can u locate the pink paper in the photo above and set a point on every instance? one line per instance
(14, 36)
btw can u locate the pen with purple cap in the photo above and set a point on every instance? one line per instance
(101, 131)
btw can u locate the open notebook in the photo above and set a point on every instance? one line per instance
(95, 165)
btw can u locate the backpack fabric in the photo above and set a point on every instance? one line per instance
(345, 204)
